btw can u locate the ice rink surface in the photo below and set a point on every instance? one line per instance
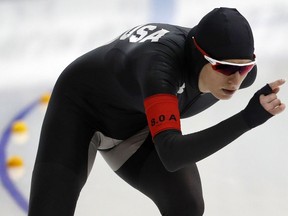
(40, 38)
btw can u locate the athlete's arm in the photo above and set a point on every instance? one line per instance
(177, 150)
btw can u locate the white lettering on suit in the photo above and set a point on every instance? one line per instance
(143, 33)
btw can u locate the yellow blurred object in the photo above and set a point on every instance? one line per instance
(15, 161)
(15, 167)
(45, 98)
(19, 127)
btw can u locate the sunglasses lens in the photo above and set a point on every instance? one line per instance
(230, 69)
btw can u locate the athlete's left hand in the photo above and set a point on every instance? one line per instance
(270, 102)
(264, 104)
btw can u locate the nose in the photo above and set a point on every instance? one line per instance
(235, 79)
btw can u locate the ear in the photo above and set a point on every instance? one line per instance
(250, 78)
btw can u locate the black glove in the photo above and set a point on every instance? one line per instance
(254, 114)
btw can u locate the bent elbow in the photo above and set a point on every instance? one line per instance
(170, 166)
(167, 150)
(170, 163)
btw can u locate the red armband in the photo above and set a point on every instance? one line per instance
(162, 113)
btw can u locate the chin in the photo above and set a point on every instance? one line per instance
(223, 96)
(226, 97)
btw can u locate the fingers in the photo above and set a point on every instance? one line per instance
(272, 104)
(275, 85)
(278, 109)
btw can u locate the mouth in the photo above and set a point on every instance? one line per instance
(228, 92)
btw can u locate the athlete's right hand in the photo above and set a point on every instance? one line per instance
(264, 104)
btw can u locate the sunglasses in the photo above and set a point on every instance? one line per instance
(226, 68)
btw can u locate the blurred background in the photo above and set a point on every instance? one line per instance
(38, 39)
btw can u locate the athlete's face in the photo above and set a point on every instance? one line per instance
(221, 86)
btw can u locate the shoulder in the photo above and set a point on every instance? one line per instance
(164, 41)
(155, 53)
